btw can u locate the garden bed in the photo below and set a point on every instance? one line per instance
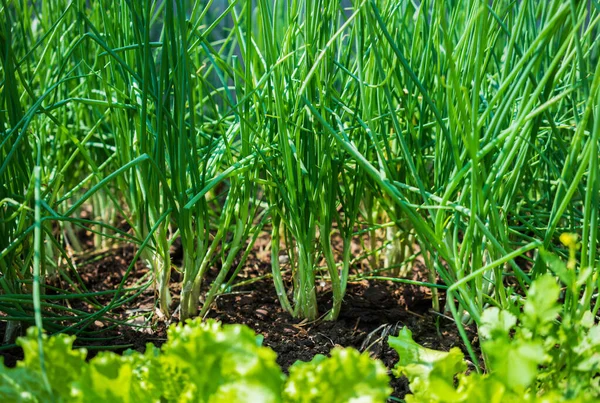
(371, 311)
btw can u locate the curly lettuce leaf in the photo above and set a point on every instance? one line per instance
(114, 378)
(63, 364)
(22, 385)
(207, 362)
(346, 376)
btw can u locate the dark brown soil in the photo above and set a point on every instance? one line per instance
(371, 311)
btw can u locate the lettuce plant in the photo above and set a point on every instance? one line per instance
(213, 363)
(133, 377)
(347, 376)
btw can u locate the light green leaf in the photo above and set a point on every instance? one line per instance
(22, 385)
(583, 276)
(207, 362)
(115, 378)
(496, 323)
(558, 267)
(430, 372)
(481, 388)
(514, 363)
(347, 376)
(63, 363)
(541, 307)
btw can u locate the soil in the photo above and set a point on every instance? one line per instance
(371, 311)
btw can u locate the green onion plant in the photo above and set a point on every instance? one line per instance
(463, 133)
